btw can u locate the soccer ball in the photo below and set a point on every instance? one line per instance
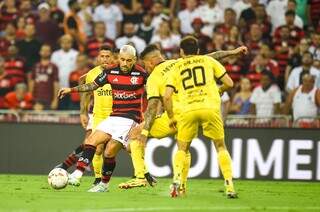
(58, 178)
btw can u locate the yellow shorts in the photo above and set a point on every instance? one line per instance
(210, 120)
(160, 127)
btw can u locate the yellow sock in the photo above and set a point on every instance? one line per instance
(185, 170)
(178, 164)
(97, 162)
(137, 156)
(225, 164)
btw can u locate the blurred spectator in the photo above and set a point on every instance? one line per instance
(8, 13)
(74, 26)
(203, 39)
(158, 15)
(111, 15)
(167, 40)
(262, 62)
(295, 77)
(217, 43)
(146, 30)
(295, 59)
(15, 66)
(7, 39)
(20, 33)
(254, 40)
(211, 15)
(240, 6)
(262, 20)
(266, 98)
(81, 69)
(229, 22)
(292, 6)
(65, 59)
(276, 10)
(234, 37)
(5, 85)
(56, 14)
(25, 10)
(132, 11)
(86, 14)
(313, 12)
(130, 37)
(19, 99)
(233, 67)
(98, 39)
(187, 16)
(315, 46)
(44, 81)
(304, 100)
(248, 16)
(47, 31)
(301, 10)
(296, 33)
(176, 26)
(241, 101)
(283, 47)
(63, 5)
(29, 47)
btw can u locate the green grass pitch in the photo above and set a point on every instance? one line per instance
(32, 193)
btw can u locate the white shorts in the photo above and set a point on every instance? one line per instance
(90, 122)
(118, 127)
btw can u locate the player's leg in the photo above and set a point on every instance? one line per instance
(73, 157)
(213, 128)
(185, 172)
(97, 163)
(109, 164)
(187, 130)
(96, 138)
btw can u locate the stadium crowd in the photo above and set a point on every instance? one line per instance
(45, 45)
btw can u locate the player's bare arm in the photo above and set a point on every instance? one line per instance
(227, 83)
(80, 88)
(167, 102)
(219, 55)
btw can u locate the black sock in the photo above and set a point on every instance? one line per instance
(109, 164)
(86, 157)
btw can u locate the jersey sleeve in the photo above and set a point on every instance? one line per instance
(153, 90)
(172, 81)
(219, 70)
(102, 79)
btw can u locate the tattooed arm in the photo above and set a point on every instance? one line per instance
(219, 55)
(151, 112)
(80, 88)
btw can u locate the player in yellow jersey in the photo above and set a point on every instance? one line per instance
(157, 125)
(91, 117)
(194, 82)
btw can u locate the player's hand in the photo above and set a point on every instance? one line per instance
(84, 119)
(242, 50)
(63, 92)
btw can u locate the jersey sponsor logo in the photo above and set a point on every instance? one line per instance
(102, 92)
(135, 73)
(115, 80)
(114, 72)
(134, 80)
(124, 95)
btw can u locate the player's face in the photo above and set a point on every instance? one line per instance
(126, 61)
(105, 58)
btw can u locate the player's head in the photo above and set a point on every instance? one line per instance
(105, 56)
(127, 57)
(189, 46)
(151, 56)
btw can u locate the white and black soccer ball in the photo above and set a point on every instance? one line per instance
(58, 178)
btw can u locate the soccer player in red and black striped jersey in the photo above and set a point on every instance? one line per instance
(127, 81)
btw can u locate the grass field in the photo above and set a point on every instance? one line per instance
(32, 193)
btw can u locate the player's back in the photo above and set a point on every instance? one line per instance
(194, 78)
(102, 106)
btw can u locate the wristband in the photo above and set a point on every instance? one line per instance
(145, 132)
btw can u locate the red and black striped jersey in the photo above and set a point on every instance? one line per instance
(128, 90)
(93, 46)
(15, 70)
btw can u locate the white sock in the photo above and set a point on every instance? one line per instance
(77, 173)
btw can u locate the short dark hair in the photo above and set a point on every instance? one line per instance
(269, 74)
(290, 13)
(71, 2)
(150, 48)
(189, 45)
(106, 47)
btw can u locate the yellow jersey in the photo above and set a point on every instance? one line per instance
(194, 80)
(157, 80)
(102, 97)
